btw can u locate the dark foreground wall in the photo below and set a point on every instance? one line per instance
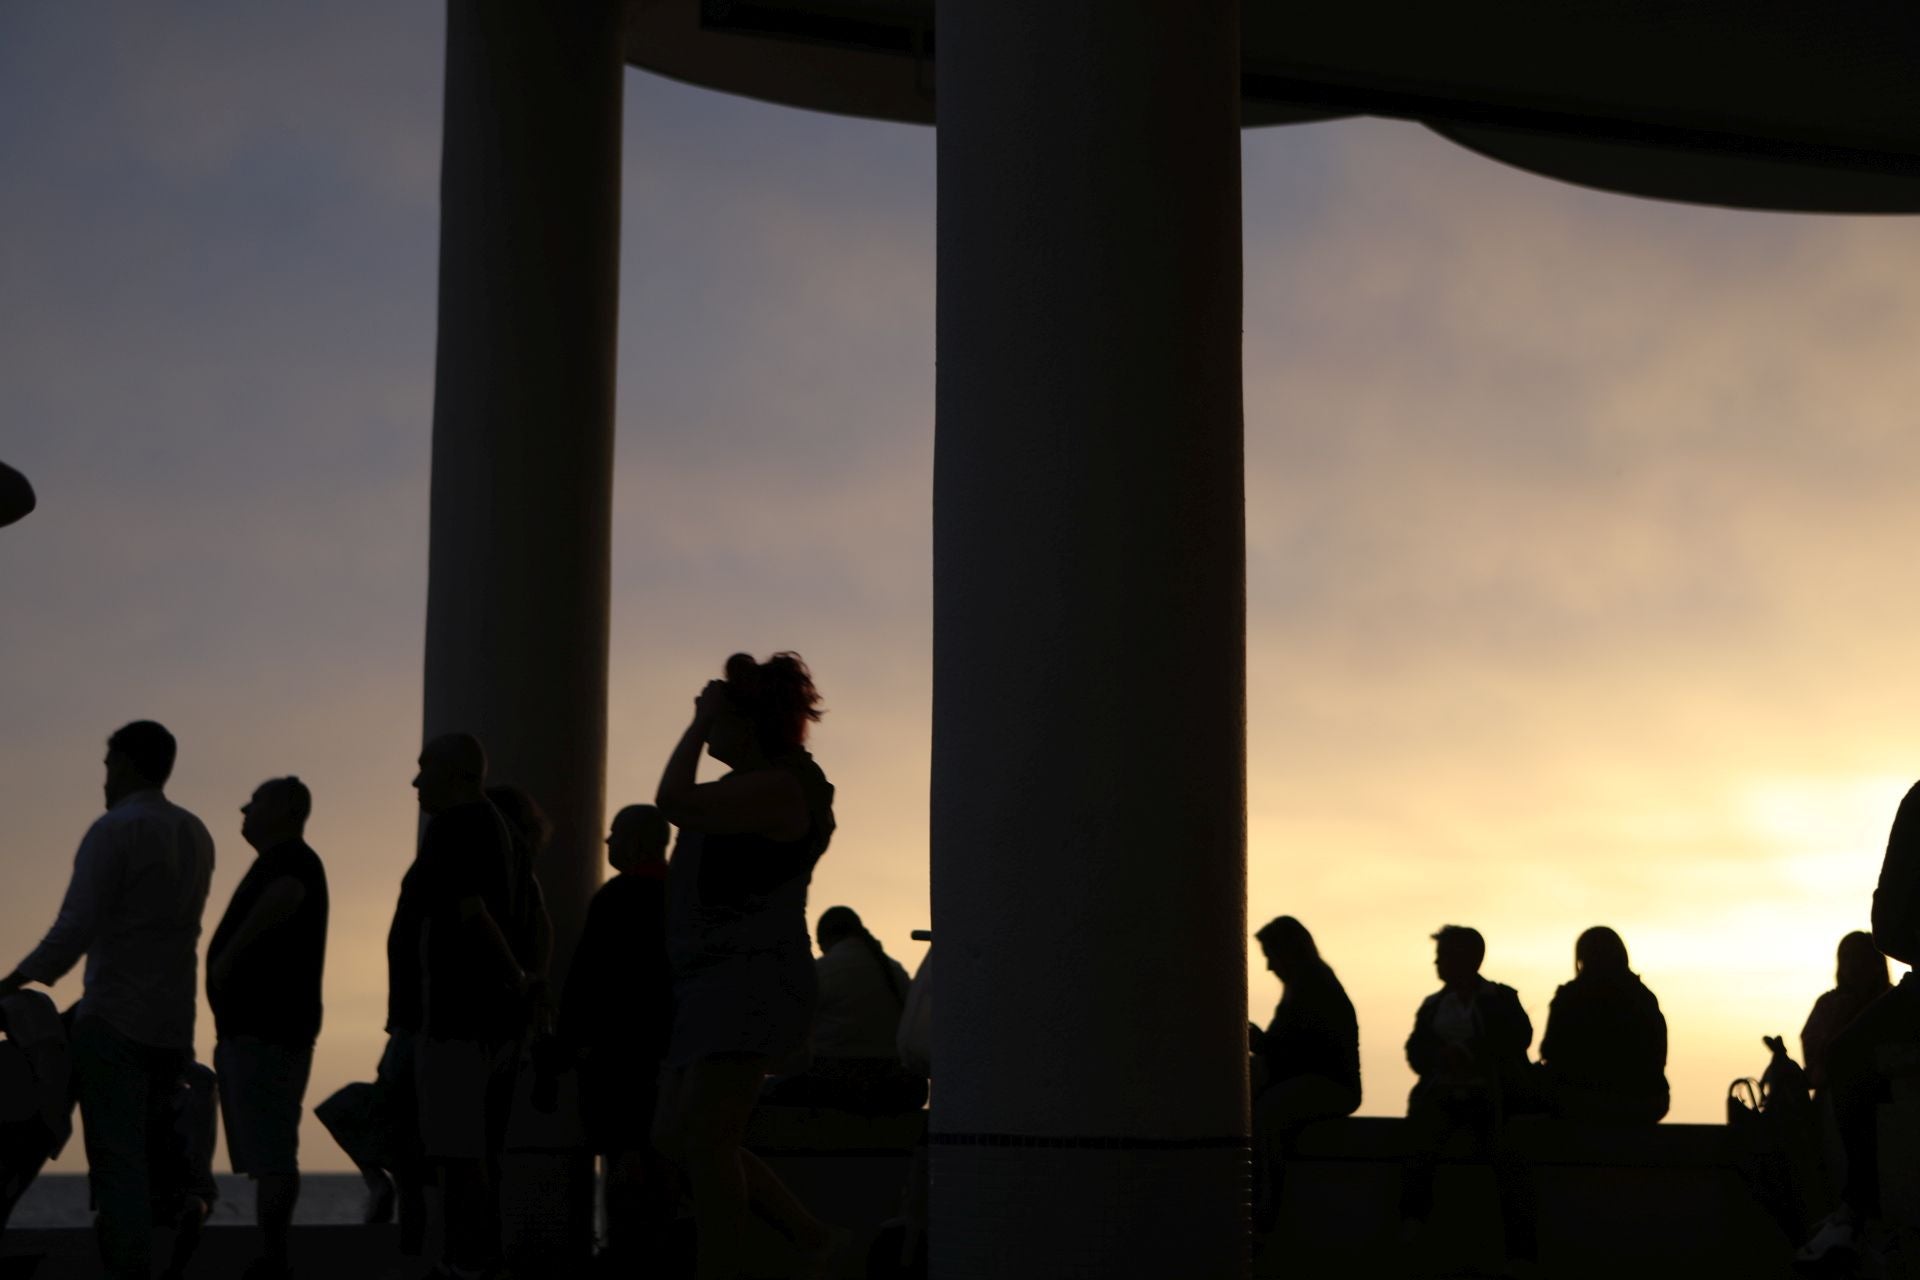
(1665, 1202)
(1661, 1202)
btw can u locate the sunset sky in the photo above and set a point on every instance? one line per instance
(1580, 528)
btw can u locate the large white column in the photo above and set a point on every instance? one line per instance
(523, 449)
(1088, 825)
(523, 411)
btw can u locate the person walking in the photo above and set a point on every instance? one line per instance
(743, 976)
(264, 969)
(133, 910)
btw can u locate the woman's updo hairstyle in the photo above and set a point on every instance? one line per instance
(776, 696)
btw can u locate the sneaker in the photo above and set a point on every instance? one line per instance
(1834, 1247)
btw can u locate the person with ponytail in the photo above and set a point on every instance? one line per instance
(743, 977)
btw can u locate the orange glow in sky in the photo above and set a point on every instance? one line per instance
(1579, 528)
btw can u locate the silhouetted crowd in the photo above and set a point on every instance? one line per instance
(693, 996)
(692, 991)
(1602, 1062)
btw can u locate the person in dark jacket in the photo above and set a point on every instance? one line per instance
(1469, 1048)
(1306, 1064)
(1605, 1050)
(615, 1015)
(1854, 1079)
(1860, 978)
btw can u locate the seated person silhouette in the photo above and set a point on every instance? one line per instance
(854, 1036)
(1882, 1038)
(1859, 980)
(1604, 1054)
(1469, 1048)
(1306, 1064)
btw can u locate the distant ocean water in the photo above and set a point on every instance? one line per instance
(326, 1199)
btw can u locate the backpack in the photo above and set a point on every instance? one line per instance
(1774, 1138)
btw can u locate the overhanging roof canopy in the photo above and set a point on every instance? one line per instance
(1766, 104)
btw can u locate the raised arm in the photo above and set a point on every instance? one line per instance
(765, 802)
(677, 780)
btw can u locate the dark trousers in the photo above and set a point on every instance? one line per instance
(129, 1107)
(1435, 1113)
(1857, 1084)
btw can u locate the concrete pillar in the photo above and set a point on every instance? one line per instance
(523, 412)
(1088, 822)
(523, 451)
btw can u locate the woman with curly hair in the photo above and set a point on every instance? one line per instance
(743, 977)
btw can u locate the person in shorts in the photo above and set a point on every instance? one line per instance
(264, 968)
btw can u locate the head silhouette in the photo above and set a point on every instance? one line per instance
(276, 814)
(1288, 946)
(1457, 953)
(1860, 965)
(768, 709)
(524, 817)
(1599, 953)
(453, 771)
(837, 924)
(637, 838)
(139, 758)
(16, 495)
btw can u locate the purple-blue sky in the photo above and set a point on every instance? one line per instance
(1578, 526)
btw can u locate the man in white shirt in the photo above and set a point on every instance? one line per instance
(132, 909)
(862, 990)
(856, 1022)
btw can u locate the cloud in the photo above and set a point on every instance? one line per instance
(1576, 524)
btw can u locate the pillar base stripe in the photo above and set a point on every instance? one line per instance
(1236, 1142)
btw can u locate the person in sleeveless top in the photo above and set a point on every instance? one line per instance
(743, 978)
